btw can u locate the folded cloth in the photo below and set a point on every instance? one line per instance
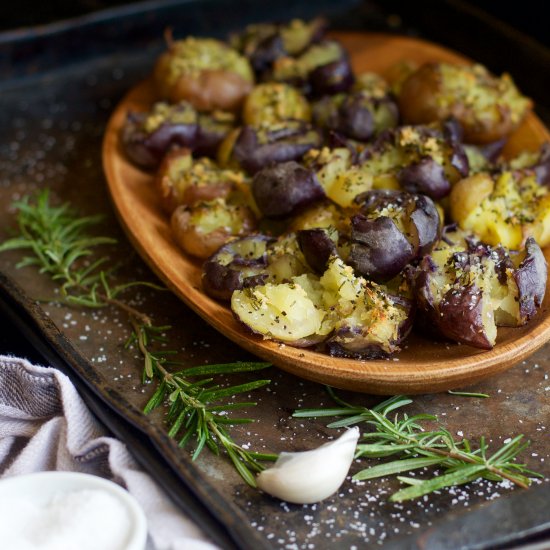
(45, 425)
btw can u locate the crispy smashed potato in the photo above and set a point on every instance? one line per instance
(488, 108)
(202, 229)
(466, 288)
(274, 102)
(206, 72)
(503, 209)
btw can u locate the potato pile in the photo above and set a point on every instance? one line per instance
(337, 210)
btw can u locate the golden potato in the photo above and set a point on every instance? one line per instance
(275, 102)
(202, 229)
(505, 209)
(488, 108)
(204, 71)
(184, 180)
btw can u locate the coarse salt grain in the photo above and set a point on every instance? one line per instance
(86, 519)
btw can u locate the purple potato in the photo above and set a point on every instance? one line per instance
(282, 189)
(425, 220)
(265, 53)
(461, 317)
(473, 288)
(212, 129)
(264, 43)
(236, 265)
(426, 177)
(357, 116)
(332, 78)
(317, 247)
(530, 277)
(147, 148)
(382, 245)
(542, 166)
(423, 159)
(255, 149)
(458, 314)
(356, 340)
(350, 118)
(379, 250)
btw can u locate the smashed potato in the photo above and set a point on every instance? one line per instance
(204, 71)
(488, 108)
(503, 209)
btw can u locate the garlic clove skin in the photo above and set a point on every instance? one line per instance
(310, 476)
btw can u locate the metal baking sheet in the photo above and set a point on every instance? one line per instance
(54, 107)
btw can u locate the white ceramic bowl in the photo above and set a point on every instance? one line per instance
(38, 489)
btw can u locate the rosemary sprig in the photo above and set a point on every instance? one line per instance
(57, 238)
(193, 408)
(60, 247)
(407, 438)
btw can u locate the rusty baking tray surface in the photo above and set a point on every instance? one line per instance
(52, 124)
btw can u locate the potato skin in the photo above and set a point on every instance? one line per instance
(146, 148)
(211, 89)
(202, 229)
(236, 265)
(437, 91)
(379, 249)
(282, 189)
(530, 278)
(458, 315)
(221, 81)
(183, 180)
(466, 289)
(254, 148)
(317, 247)
(392, 229)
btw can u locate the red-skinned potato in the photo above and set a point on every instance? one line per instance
(182, 179)
(488, 108)
(202, 229)
(206, 72)
(282, 189)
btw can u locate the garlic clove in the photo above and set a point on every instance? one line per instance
(310, 476)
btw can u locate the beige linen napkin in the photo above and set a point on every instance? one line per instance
(45, 425)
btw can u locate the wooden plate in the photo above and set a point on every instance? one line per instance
(424, 365)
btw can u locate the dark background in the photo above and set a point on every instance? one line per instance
(525, 16)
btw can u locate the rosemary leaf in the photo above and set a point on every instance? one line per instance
(459, 477)
(396, 467)
(468, 394)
